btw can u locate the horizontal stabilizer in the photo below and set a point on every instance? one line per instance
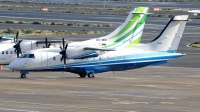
(181, 18)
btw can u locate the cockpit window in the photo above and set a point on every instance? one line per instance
(23, 56)
(27, 56)
(31, 56)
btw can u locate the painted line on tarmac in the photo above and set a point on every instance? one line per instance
(58, 106)
(18, 110)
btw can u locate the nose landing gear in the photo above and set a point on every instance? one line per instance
(23, 73)
(23, 76)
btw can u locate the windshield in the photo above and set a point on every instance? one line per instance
(23, 56)
(27, 56)
(31, 56)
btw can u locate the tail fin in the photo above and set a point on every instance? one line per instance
(170, 37)
(129, 33)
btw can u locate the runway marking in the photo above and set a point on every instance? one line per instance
(19, 110)
(57, 106)
(62, 19)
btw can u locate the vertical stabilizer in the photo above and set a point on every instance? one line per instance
(128, 34)
(169, 38)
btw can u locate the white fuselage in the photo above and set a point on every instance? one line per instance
(7, 53)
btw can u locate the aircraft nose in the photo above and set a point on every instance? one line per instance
(11, 66)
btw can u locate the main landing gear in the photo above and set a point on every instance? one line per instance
(90, 75)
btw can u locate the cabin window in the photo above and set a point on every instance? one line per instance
(54, 58)
(107, 58)
(123, 57)
(6, 52)
(99, 58)
(2, 52)
(11, 52)
(31, 56)
(23, 56)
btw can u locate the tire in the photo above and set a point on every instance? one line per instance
(23, 75)
(82, 75)
(90, 75)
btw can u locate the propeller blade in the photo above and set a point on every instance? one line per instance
(17, 36)
(46, 42)
(17, 53)
(65, 63)
(20, 51)
(49, 45)
(20, 41)
(66, 46)
(15, 50)
(61, 48)
(61, 58)
(1, 38)
(63, 43)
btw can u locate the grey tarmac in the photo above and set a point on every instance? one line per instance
(147, 89)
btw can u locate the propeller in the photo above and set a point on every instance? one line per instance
(17, 45)
(1, 37)
(63, 53)
(47, 45)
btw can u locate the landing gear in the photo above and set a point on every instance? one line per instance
(82, 75)
(23, 73)
(90, 75)
(23, 76)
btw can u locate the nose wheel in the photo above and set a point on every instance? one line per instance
(23, 76)
(23, 73)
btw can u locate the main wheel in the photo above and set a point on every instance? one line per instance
(23, 75)
(82, 75)
(90, 75)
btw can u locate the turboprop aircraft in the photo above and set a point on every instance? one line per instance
(158, 51)
(12, 48)
(126, 35)
(194, 11)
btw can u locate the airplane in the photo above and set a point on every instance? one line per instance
(194, 11)
(157, 52)
(11, 48)
(128, 34)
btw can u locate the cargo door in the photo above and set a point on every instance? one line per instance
(44, 59)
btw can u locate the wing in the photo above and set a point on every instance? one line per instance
(100, 49)
(49, 41)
